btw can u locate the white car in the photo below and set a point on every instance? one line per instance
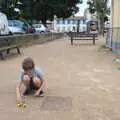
(4, 30)
(15, 27)
(40, 28)
(15, 30)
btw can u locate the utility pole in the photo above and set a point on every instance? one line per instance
(116, 26)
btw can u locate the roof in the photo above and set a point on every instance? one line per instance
(74, 18)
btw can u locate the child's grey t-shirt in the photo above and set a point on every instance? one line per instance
(36, 73)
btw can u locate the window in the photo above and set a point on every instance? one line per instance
(76, 22)
(58, 21)
(68, 21)
(63, 22)
(73, 21)
(19, 24)
(83, 21)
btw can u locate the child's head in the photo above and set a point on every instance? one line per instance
(28, 64)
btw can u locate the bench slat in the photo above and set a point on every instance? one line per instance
(82, 39)
(9, 47)
(8, 43)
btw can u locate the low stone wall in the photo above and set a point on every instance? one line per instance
(31, 39)
(38, 39)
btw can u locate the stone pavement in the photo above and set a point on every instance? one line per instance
(83, 83)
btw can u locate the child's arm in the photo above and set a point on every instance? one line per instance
(43, 78)
(43, 87)
(18, 86)
(38, 91)
(19, 98)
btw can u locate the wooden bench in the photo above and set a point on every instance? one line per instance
(82, 36)
(7, 43)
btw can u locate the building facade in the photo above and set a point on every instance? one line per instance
(70, 24)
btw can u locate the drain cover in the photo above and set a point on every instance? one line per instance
(56, 103)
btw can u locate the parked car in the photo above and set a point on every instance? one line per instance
(40, 28)
(19, 27)
(28, 28)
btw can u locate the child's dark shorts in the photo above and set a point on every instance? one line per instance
(32, 88)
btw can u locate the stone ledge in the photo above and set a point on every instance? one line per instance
(31, 39)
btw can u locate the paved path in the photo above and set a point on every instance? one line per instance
(83, 83)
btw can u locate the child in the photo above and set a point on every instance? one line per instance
(31, 77)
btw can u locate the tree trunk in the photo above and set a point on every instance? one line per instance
(44, 19)
(102, 25)
(78, 26)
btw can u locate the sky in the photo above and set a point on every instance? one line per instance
(82, 8)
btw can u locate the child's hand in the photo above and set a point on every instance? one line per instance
(37, 94)
(19, 99)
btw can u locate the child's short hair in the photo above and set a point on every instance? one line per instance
(28, 64)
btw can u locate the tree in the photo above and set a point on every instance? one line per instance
(46, 9)
(27, 9)
(42, 9)
(100, 7)
(8, 7)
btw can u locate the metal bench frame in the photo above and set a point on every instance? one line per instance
(83, 36)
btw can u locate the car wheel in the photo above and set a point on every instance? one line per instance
(10, 33)
(42, 32)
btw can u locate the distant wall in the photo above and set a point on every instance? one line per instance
(31, 39)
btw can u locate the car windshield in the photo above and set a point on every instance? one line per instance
(10, 23)
(37, 25)
(17, 23)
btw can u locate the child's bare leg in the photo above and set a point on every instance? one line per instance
(26, 81)
(37, 82)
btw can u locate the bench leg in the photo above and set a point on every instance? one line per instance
(8, 51)
(93, 39)
(71, 40)
(18, 50)
(2, 56)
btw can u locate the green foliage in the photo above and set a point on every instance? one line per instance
(7, 6)
(100, 7)
(42, 9)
